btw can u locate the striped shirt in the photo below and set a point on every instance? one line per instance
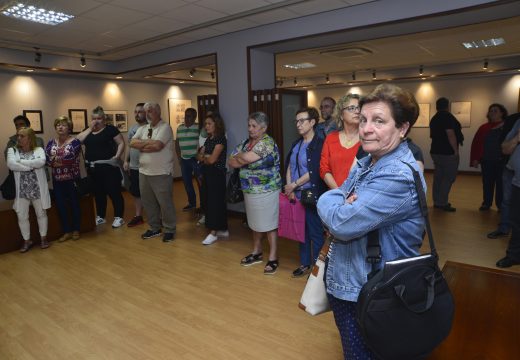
(188, 138)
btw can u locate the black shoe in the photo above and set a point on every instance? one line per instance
(484, 208)
(496, 234)
(150, 234)
(447, 207)
(167, 237)
(301, 271)
(507, 262)
(188, 207)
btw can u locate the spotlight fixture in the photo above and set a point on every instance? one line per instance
(374, 77)
(421, 70)
(213, 74)
(327, 79)
(192, 73)
(37, 55)
(82, 61)
(295, 82)
(485, 67)
(353, 75)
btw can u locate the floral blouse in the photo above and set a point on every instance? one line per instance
(64, 160)
(263, 175)
(29, 188)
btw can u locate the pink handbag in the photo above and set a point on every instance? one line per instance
(291, 219)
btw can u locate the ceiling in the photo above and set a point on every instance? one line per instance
(114, 30)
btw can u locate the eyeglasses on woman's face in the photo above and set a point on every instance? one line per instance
(300, 121)
(352, 108)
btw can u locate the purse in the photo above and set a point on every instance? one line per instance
(314, 299)
(291, 219)
(84, 185)
(234, 192)
(8, 187)
(307, 197)
(406, 308)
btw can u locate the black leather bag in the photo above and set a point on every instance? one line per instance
(307, 198)
(8, 187)
(405, 309)
(84, 186)
(234, 192)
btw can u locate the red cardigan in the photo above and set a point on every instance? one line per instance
(477, 146)
(336, 159)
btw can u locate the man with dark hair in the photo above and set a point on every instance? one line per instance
(446, 135)
(131, 165)
(328, 125)
(21, 121)
(186, 148)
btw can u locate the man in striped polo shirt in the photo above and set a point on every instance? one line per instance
(186, 147)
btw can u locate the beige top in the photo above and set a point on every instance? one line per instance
(160, 162)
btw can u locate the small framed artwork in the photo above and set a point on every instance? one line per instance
(118, 118)
(79, 120)
(36, 119)
(462, 111)
(424, 116)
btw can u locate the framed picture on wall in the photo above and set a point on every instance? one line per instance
(424, 116)
(176, 109)
(118, 118)
(462, 111)
(79, 120)
(36, 119)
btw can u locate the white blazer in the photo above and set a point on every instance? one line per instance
(18, 165)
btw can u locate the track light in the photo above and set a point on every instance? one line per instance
(82, 61)
(421, 70)
(295, 82)
(192, 73)
(374, 74)
(37, 55)
(353, 75)
(327, 79)
(213, 74)
(485, 67)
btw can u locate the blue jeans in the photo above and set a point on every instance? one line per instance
(189, 168)
(313, 237)
(67, 204)
(507, 178)
(513, 248)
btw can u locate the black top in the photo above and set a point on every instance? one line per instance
(209, 146)
(509, 122)
(439, 123)
(416, 150)
(101, 146)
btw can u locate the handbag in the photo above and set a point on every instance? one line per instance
(307, 198)
(84, 185)
(406, 308)
(8, 187)
(291, 219)
(314, 299)
(234, 192)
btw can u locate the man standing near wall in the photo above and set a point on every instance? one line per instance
(21, 121)
(155, 143)
(511, 145)
(186, 148)
(446, 135)
(131, 165)
(328, 125)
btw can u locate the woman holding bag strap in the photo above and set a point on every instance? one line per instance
(303, 173)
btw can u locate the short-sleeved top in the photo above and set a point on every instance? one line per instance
(263, 175)
(101, 146)
(188, 139)
(67, 158)
(337, 159)
(159, 162)
(209, 146)
(29, 188)
(440, 122)
(134, 153)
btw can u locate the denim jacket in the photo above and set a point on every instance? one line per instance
(386, 200)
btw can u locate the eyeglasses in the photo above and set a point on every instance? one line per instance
(352, 108)
(300, 121)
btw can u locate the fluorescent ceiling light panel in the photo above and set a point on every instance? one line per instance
(477, 44)
(305, 65)
(33, 13)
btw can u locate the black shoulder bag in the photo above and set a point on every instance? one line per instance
(234, 192)
(307, 198)
(405, 309)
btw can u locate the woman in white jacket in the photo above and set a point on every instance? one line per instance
(27, 161)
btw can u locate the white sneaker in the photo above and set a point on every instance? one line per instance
(100, 220)
(201, 221)
(118, 222)
(223, 233)
(210, 239)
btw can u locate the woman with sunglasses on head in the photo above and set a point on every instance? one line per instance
(340, 147)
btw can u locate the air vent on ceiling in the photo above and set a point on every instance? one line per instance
(346, 52)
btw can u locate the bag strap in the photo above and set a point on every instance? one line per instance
(373, 245)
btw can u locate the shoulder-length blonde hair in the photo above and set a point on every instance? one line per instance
(27, 131)
(340, 105)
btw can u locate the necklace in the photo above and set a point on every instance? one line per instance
(350, 141)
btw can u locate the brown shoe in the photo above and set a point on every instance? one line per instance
(75, 235)
(44, 244)
(65, 237)
(27, 245)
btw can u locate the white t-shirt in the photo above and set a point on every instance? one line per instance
(160, 162)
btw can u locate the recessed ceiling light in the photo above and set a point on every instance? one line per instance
(305, 65)
(29, 70)
(36, 14)
(477, 44)
(119, 77)
(54, 69)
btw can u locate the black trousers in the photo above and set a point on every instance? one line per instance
(215, 196)
(107, 181)
(492, 182)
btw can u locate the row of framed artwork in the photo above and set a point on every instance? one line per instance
(118, 118)
(460, 109)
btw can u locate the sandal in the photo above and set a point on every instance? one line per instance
(251, 259)
(44, 244)
(271, 267)
(301, 271)
(26, 246)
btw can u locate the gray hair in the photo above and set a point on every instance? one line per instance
(260, 118)
(154, 105)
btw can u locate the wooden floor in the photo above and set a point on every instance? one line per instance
(111, 295)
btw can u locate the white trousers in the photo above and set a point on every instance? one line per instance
(23, 217)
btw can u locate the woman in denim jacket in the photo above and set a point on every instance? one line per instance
(378, 194)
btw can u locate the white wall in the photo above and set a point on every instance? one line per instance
(55, 95)
(480, 91)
